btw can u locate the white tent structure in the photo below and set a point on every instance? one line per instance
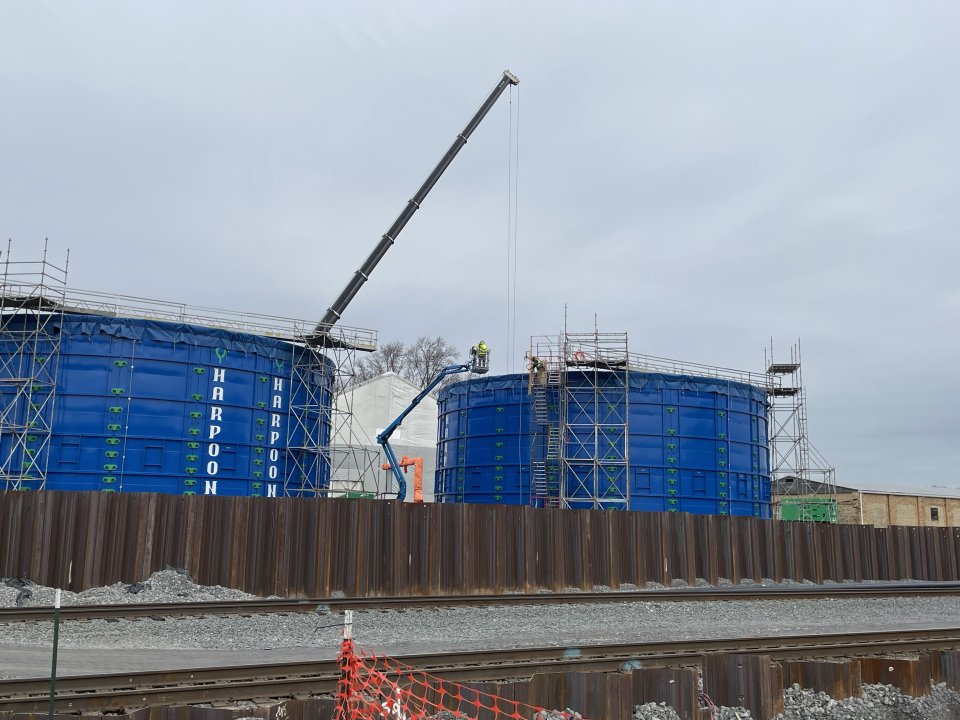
(374, 405)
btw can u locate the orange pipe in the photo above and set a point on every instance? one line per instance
(417, 463)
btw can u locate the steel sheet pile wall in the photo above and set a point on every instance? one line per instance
(304, 547)
(147, 406)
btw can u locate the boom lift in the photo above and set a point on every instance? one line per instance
(321, 334)
(479, 364)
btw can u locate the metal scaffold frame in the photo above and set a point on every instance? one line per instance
(331, 449)
(595, 421)
(580, 420)
(31, 300)
(798, 472)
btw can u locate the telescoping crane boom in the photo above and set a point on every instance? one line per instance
(479, 364)
(321, 334)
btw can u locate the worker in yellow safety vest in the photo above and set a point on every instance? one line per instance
(479, 353)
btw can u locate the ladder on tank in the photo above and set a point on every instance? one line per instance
(544, 387)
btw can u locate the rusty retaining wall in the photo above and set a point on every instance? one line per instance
(312, 548)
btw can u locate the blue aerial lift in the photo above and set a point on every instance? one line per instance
(479, 364)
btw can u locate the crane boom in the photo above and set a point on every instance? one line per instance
(363, 273)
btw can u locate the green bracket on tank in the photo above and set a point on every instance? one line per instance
(31, 438)
(263, 378)
(258, 461)
(189, 492)
(35, 406)
(116, 409)
(499, 409)
(190, 482)
(499, 444)
(27, 464)
(721, 449)
(671, 459)
(118, 391)
(113, 441)
(107, 490)
(40, 360)
(256, 485)
(36, 388)
(498, 468)
(32, 424)
(672, 501)
(199, 370)
(463, 433)
(190, 470)
(193, 445)
(197, 396)
(498, 488)
(261, 421)
(498, 497)
(257, 473)
(722, 484)
(671, 409)
(196, 415)
(113, 427)
(261, 404)
(194, 431)
(672, 481)
(108, 479)
(260, 437)
(722, 463)
(120, 363)
(671, 471)
(722, 474)
(192, 458)
(498, 478)
(721, 413)
(462, 413)
(671, 446)
(722, 436)
(29, 452)
(672, 510)
(671, 431)
(722, 494)
(723, 503)
(258, 451)
(110, 467)
(671, 491)
(499, 431)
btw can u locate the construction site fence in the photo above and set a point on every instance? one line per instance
(298, 547)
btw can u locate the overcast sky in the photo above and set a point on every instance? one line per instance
(701, 175)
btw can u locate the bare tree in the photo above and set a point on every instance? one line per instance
(390, 357)
(426, 357)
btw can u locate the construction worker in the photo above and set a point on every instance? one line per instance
(479, 353)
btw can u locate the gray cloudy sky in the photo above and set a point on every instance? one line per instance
(702, 175)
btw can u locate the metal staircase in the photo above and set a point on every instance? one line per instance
(544, 388)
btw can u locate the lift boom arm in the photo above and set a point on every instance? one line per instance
(384, 437)
(363, 273)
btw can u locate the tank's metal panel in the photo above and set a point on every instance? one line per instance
(697, 444)
(146, 406)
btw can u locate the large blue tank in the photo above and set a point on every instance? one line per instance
(696, 444)
(147, 406)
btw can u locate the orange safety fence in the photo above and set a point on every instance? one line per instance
(379, 687)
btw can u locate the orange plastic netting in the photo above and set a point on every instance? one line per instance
(378, 687)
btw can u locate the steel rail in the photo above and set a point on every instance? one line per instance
(309, 678)
(260, 607)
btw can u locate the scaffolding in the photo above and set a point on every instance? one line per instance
(324, 418)
(31, 301)
(803, 482)
(595, 410)
(580, 391)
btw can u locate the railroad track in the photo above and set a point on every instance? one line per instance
(260, 607)
(118, 692)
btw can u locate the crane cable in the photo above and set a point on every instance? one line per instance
(513, 171)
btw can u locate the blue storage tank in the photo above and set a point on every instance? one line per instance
(696, 444)
(148, 406)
